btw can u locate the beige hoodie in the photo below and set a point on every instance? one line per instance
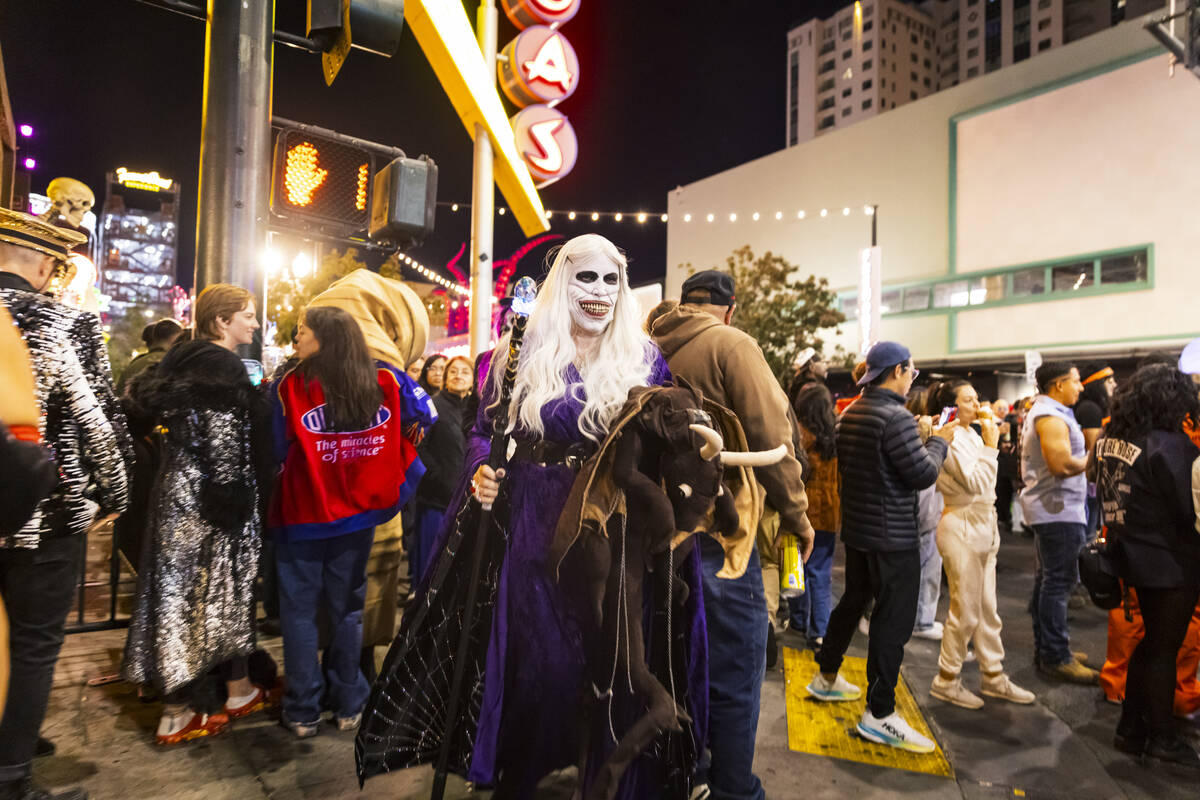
(727, 366)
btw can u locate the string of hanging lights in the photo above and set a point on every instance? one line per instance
(426, 272)
(642, 217)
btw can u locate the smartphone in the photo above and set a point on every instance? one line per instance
(254, 369)
(949, 413)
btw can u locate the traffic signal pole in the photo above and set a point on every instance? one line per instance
(483, 198)
(235, 145)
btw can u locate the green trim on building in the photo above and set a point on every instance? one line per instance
(952, 189)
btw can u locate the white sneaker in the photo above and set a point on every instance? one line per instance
(893, 731)
(1002, 687)
(953, 691)
(837, 690)
(864, 626)
(932, 633)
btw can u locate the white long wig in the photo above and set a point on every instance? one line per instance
(622, 360)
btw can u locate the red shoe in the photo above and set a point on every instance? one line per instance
(257, 702)
(198, 726)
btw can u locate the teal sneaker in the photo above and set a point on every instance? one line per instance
(835, 691)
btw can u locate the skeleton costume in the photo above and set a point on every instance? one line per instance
(195, 596)
(526, 679)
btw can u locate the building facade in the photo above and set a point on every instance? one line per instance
(1046, 207)
(138, 241)
(874, 55)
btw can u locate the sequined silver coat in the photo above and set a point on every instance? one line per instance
(81, 423)
(195, 599)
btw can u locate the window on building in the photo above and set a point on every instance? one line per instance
(913, 36)
(868, 44)
(1029, 282)
(913, 76)
(928, 64)
(825, 86)
(868, 25)
(866, 104)
(972, 52)
(868, 11)
(846, 54)
(849, 307)
(827, 66)
(846, 92)
(825, 104)
(793, 123)
(972, 72)
(868, 64)
(889, 302)
(883, 83)
(846, 111)
(926, 82)
(866, 85)
(1044, 44)
(973, 33)
(912, 57)
(912, 95)
(1072, 277)
(1020, 52)
(828, 47)
(928, 44)
(1044, 4)
(846, 35)
(916, 298)
(953, 294)
(1043, 24)
(972, 2)
(826, 122)
(1129, 268)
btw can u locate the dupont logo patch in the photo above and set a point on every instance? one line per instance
(314, 420)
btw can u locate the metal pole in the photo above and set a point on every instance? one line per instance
(483, 199)
(874, 216)
(234, 145)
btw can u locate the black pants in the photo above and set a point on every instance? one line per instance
(1004, 501)
(892, 579)
(38, 587)
(1150, 687)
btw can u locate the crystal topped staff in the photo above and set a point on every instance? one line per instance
(524, 293)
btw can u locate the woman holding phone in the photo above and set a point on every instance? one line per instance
(968, 540)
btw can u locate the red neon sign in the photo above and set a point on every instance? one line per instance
(546, 141)
(523, 13)
(539, 66)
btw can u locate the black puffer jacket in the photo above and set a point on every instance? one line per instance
(883, 466)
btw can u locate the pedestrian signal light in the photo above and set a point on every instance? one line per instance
(322, 180)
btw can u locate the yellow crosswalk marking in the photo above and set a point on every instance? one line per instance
(827, 729)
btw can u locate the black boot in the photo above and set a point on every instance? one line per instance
(44, 748)
(1172, 750)
(26, 789)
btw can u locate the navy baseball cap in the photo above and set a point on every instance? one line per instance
(883, 356)
(708, 286)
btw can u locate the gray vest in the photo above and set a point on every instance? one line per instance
(1045, 497)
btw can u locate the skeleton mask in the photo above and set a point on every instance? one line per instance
(71, 198)
(592, 291)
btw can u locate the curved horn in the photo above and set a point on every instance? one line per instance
(712, 441)
(754, 458)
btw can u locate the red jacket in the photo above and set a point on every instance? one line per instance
(333, 483)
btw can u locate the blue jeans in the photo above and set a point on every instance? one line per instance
(1057, 548)
(329, 573)
(931, 581)
(810, 610)
(736, 612)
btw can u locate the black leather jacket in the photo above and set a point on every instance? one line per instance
(884, 466)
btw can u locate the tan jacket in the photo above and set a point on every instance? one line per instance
(728, 368)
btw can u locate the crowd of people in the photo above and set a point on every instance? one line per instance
(510, 489)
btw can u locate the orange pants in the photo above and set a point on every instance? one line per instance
(1123, 638)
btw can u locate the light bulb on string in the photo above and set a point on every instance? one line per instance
(754, 216)
(799, 215)
(664, 217)
(824, 212)
(619, 216)
(571, 215)
(641, 217)
(687, 217)
(710, 217)
(595, 216)
(733, 217)
(846, 212)
(778, 215)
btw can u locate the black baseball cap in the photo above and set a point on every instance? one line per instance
(708, 286)
(883, 356)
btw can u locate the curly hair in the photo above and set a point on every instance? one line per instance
(1158, 397)
(814, 412)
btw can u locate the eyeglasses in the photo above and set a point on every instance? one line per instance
(915, 372)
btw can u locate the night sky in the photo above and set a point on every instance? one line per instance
(671, 91)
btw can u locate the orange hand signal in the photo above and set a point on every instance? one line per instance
(303, 174)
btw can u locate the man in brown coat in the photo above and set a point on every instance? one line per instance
(727, 367)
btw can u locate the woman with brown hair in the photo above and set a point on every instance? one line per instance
(194, 612)
(339, 435)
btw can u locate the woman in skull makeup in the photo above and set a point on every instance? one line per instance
(584, 349)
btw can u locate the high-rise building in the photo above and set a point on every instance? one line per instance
(874, 55)
(138, 242)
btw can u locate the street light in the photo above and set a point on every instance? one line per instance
(301, 265)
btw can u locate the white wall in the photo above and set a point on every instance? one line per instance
(1101, 163)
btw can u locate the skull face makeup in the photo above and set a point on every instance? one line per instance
(592, 291)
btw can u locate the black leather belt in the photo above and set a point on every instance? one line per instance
(546, 454)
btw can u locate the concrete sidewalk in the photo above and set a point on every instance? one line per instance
(1060, 747)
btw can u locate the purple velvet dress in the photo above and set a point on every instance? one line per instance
(525, 715)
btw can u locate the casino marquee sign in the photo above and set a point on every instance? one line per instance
(537, 71)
